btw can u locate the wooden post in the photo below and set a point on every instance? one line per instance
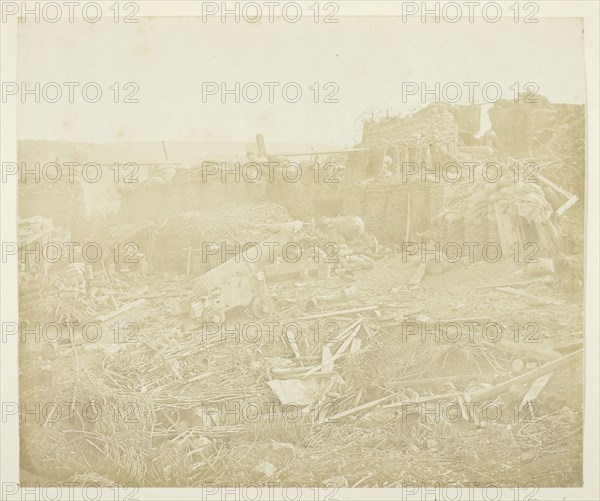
(406, 236)
(188, 266)
(260, 145)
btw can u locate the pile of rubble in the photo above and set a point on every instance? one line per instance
(421, 137)
(204, 403)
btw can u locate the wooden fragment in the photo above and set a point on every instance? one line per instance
(437, 380)
(473, 416)
(511, 284)
(338, 312)
(463, 409)
(418, 274)
(345, 332)
(347, 341)
(326, 359)
(406, 235)
(319, 416)
(528, 350)
(353, 410)
(289, 336)
(519, 292)
(355, 346)
(569, 347)
(333, 358)
(121, 310)
(535, 389)
(505, 229)
(429, 398)
(567, 205)
(494, 391)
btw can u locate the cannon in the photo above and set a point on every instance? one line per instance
(238, 282)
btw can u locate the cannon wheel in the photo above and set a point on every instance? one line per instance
(213, 315)
(262, 306)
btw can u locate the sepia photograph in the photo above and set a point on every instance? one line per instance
(299, 250)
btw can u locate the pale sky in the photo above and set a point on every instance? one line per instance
(367, 57)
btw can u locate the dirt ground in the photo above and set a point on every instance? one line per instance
(168, 402)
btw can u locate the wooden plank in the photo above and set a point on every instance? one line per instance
(504, 229)
(345, 332)
(261, 146)
(519, 292)
(494, 391)
(513, 284)
(567, 205)
(527, 350)
(326, 314)
(348, 340)
(354, 410)
(407, 234)
(569, 347)
(438, 380)
(430, 398)
(289, 336)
